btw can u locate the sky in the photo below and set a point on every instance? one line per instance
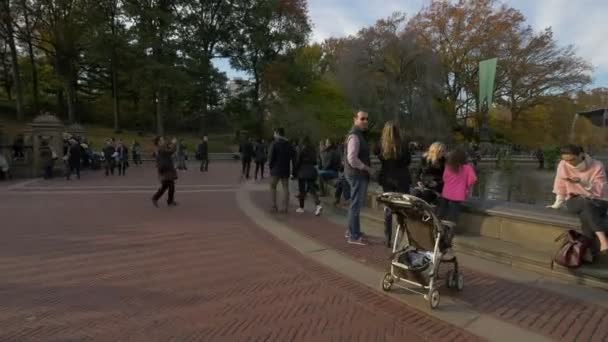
(577, 22)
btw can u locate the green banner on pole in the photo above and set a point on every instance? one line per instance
(487, 74)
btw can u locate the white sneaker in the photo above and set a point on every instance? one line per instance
(300, 210)
(319, 210)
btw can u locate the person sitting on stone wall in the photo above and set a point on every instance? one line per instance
(580, 184)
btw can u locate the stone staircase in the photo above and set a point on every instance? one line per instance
(518, 235)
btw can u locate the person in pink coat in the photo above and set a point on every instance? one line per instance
(580, 185)
(458, 180)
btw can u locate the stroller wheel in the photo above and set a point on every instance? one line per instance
(387, 282)
(433, 298)
(459, 282)
(450, 280)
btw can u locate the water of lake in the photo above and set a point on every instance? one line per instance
(523, 184)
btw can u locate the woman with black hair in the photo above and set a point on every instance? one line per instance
(305, 169)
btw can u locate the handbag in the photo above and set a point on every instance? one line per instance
(573, 251)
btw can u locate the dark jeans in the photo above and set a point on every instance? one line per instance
(136, 159)
(449, 210)
(110, 165)
(259, 167)
(591, 213)
(342, 190)
(48, 172)
(73, 169)
(358, 192)
(388, 215)
(204, 165)
(246, 168)
(306, 186)
(122, 167)
(324, 176)
(166, 185)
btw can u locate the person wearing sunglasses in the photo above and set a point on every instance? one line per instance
(357, 169)
(580, 184)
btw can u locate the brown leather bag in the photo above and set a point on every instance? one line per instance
(573, 251)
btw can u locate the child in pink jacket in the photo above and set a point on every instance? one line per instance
(458, 180)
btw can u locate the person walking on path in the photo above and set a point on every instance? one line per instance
(540, 157)
(430, 177)
(357, 169)
(181, 156)
(330, 161)
(261, 155)
(202, 152)
(136, 152)
(122, 158)
(394, 155)
(73, 160)
(247, 152)
(108, 154)
(166, 170)
(580, 184)
(279, 161)
(458, 180)
(305, 169)
(47, 158)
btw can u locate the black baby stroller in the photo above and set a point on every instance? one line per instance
(421, 243)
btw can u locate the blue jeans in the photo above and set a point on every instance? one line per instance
(326, 175)
(342, 189)
(358, 192)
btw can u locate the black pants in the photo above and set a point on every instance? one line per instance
(48, 171)
(591, 213)
(449, 210)
(342, 190)
(110, 165)
(259, 167)
(204, 165)
(307, 186)
(246, 168)
(166, 185)
(73, 169)
(122, 167)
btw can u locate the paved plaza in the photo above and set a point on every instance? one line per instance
(92, 259)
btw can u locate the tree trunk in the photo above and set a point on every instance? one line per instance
(71, 99)
(115, 95)
(160, 128)
(7, 78)
(8, 25)
(30, 48)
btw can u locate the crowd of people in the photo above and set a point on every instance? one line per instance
(445, 177)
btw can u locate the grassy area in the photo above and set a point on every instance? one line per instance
(98, 134)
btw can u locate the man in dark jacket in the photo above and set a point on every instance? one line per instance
(247, 153)
(166, 170)
(73, 160)
(202, 152)
(280, 160)
(108, 154)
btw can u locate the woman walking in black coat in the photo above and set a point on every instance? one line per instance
(261, 155)
(394, 176)
(305, 170)
(166, 170)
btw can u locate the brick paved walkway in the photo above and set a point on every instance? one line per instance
(97, 265)
(531, 308)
